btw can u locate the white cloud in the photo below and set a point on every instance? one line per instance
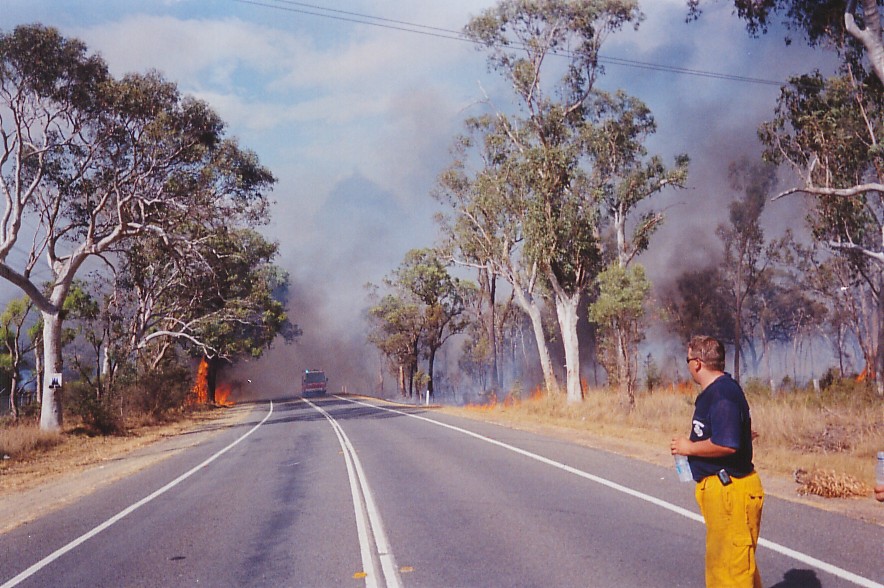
(186, 50)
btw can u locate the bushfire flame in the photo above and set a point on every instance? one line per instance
(222, 395)
(200, 392)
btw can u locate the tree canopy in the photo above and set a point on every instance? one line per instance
(97, 164)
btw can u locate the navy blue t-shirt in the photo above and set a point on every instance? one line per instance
(721, 414)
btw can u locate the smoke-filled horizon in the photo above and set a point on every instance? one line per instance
(356, 121)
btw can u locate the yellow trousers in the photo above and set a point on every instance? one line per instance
(733, 519)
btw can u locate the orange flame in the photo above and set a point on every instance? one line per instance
(867, 373)
(222, 395)
(200, 392)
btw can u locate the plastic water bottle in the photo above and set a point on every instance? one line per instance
(879, 469)
(683, 468)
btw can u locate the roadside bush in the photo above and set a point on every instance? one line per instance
(99, 415)
(161, 391)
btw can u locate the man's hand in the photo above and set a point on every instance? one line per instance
(704, 448)
(680, 446)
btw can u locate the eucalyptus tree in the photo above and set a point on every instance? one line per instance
(224, 301)
(16, 345)
(441, 298)
(747, 256)
(548, 53)
(830, 131)
(92, 162)
(623, 175)
(625, 178)
(486, 194)
(619, 309)
(396, 330)
(852, 27)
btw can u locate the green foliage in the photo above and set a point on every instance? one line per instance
(623, 293)
(99, 415)
(826, 127)
(618, 311)
(131, 171)
(819, 22)
(66, 75)
(397, 329)
(425, 308)
(243, 317)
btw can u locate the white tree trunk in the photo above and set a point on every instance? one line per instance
(870, 35)
(533, 311)
(566, 310)
(51, 409)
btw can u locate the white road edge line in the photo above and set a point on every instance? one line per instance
(125, 512)
(782, 549)
(359, 482)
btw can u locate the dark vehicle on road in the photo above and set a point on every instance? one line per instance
(313, 383)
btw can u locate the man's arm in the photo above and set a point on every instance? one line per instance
(704, 448)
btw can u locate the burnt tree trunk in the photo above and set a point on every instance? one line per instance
(214, 365)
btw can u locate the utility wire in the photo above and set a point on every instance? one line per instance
(409, 27)
(401, 26)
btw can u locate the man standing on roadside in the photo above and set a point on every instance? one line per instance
(719, 451)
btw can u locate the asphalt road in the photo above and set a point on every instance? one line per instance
(346, 492)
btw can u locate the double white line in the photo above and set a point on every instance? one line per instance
(368, 521)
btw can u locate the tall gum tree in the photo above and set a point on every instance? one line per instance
(484, 224)
(424, 308)
(92, 162)
(625, 178)
(830, 130)
(746, 258)
(548, 52)
(442, 299)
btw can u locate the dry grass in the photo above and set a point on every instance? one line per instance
(29, 456)
(21, 441)
(832, 437)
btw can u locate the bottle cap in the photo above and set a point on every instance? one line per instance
(881, 455)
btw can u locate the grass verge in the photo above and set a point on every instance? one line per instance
(29, 456)
(826, 441)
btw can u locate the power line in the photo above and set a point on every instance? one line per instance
(381, 22)
(432, 31)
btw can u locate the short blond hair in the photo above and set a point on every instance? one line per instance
(709, 350)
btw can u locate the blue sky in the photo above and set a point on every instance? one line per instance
(356, 120)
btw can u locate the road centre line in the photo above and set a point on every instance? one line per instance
(781, 549)
(367, 514)
(127, 511)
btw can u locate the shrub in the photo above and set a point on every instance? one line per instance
(160, 391)
(97, 413)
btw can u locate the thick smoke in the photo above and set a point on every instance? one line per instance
(359, 235)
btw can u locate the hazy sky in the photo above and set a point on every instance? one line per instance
(356, 120)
